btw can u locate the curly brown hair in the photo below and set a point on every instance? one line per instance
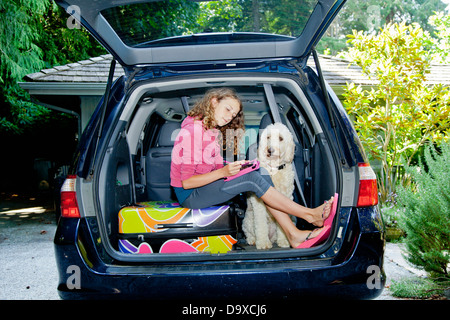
(204, 110)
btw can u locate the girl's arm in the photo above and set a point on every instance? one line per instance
(201, 180)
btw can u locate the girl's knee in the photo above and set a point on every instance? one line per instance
(262, 176)
(261, 182)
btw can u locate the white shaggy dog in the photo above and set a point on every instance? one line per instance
(275, 154)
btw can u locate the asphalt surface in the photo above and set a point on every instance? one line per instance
(27, 265)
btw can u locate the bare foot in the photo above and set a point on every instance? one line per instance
(302, 235)
(320, 213)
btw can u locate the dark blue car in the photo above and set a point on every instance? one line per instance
(122, 164)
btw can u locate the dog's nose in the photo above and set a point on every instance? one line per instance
(270, 151)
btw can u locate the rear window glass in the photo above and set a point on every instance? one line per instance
(143, 24)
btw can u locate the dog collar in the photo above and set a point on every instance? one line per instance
(273, 169)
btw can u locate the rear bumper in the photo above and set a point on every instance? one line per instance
(355, 274)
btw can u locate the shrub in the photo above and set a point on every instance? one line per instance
(401, 112)
(426, 218)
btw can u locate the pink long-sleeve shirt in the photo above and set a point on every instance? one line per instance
(196, 151)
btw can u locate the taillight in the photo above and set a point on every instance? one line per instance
(69, 205)
(368, 191)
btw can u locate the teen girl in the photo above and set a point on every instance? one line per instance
(197, 168)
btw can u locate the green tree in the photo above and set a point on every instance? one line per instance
(223, 16)
(62, 45)
(20, 54)
(371, 15)
(396, 117)
(441, 23)
(286, 17)
(33, 36)
(141, 23)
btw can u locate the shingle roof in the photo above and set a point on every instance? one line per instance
(93, 70)
(339, 71)
(336, 72)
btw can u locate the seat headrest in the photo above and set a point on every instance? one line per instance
(168, 133)
(266, 120)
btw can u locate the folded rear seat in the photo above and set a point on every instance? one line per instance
(161, 225)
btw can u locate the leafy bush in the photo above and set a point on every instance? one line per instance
(401, 112)
(426, 218)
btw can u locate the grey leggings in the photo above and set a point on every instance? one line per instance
(220, 191)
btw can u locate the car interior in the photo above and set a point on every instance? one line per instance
(136, 165)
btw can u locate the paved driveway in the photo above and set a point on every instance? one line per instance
(27, 264)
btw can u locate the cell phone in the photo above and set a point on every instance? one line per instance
(246, 165)
(245, 168)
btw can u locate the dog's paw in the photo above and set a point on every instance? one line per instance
(250, 240)
(263, 244)
(283, 243)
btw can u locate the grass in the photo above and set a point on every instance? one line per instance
(417, 288)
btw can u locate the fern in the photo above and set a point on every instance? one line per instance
(426, 218)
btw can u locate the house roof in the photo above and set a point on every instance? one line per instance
(339, 71)
(92, 74)
(93, 70)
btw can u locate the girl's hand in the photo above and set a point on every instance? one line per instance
(201, 180)
(233, 168)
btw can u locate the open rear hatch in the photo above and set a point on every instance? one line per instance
(159, 32)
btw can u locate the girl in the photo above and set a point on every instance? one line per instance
(197, 168)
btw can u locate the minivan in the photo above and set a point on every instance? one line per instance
(171, 53)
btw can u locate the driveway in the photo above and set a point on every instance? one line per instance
(27, 265)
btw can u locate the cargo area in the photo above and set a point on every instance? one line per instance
(139, 210)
